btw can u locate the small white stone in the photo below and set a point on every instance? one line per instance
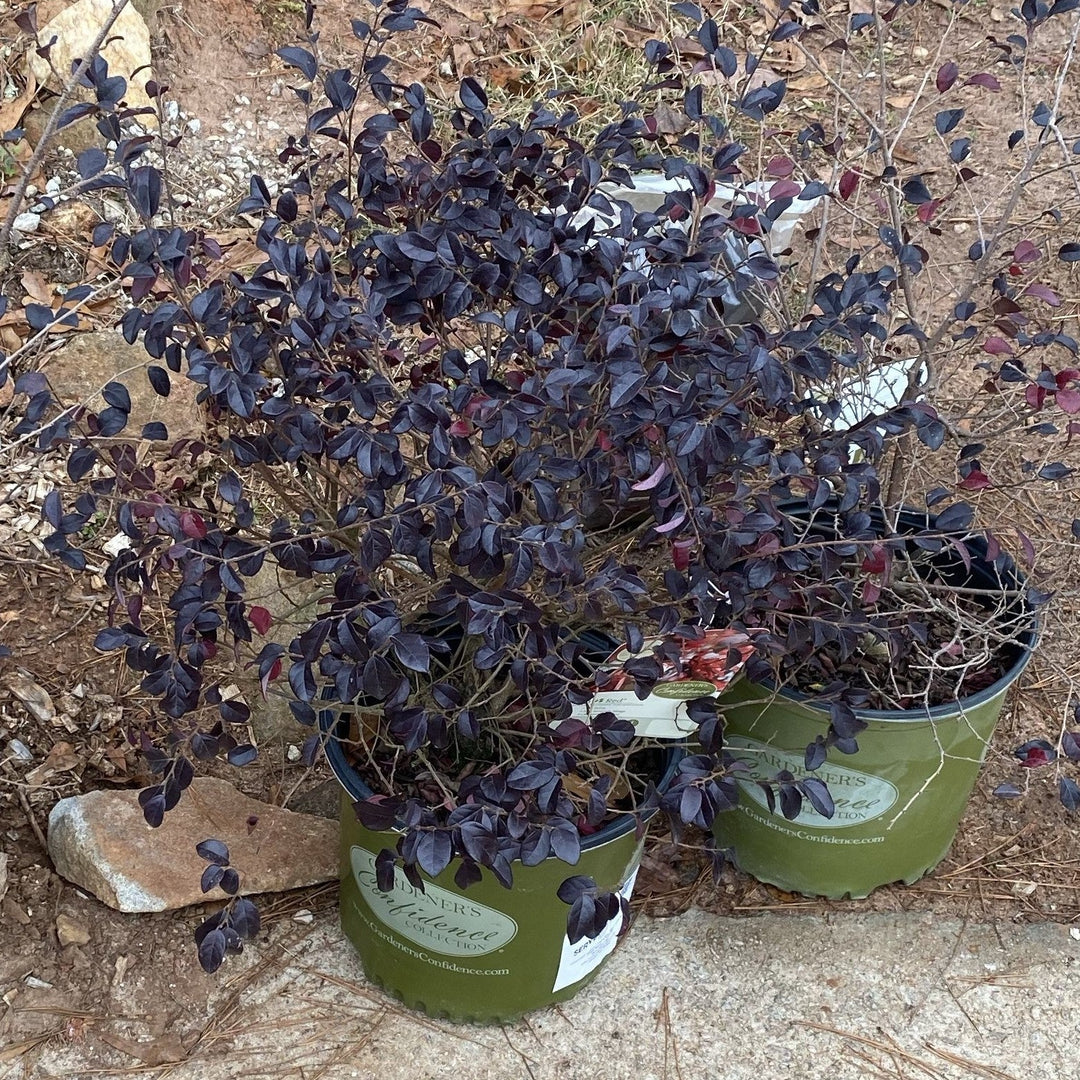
(304, 916)
(1074, 933)
(172, 110)
(194, 125)
(214, 193)
(21, 751)
(53, 185)
(293, 753)
(31, 190)
(242, 99)
(37, 984)
(272, 125)
(118, 543)
(26, 222)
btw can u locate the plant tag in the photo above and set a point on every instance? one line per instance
(703, 671)
(578, 960)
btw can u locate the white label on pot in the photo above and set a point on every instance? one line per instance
(578, 960)
(659, 716)
(859, 797)
(440, 920)
(705, 672)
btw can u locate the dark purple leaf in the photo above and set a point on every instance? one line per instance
(245, 918)
(212, 951)
(1007, 791)
(213, 851)
(1069, 793)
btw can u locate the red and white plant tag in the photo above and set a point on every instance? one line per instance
(703, 671)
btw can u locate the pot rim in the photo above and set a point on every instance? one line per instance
(1025, 643)
(354, 785)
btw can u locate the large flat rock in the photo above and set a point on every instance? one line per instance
(100, 842)
(88, 361)
(126, 49)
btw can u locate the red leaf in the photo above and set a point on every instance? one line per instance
(976, 480)
(1028, 546)
(876, 561)
(780, 166)
(1026, 252)
(192, 524)
(785, 189)
(997, 346)
(260, 618)
(1066, 376)
(274, 671)
(871, 592)
(985, 80)
(1068, 400)
(1034, 396)
(680, 554)
(946, 76)
(461, 429)
(1035, 758)
(848, 183)
(927, 210)
(1042, 292)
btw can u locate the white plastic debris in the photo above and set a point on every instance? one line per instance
(26, 222)
(116, 544)
(871, 392)
(647, 194)
(20, 750)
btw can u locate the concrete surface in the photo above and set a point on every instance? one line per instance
(698, 997)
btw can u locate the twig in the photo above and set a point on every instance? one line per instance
(25, 804)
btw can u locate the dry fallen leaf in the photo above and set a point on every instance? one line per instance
(688, 47)
(809, 83)
(36, 698)
(670, 121)
(558, 13)
(11, 112)
(463, 58)
(37, 288)
(507, 77)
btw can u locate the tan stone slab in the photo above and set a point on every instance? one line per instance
(100, 842)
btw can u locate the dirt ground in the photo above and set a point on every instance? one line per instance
(133, 998)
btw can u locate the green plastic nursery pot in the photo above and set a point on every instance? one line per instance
(483, 954)
(898, 800)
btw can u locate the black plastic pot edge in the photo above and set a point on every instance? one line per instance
(331, 725)
(950, 710)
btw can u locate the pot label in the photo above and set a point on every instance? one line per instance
(578, 960)
(440, 920)
(859, 797)
(706, 667)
